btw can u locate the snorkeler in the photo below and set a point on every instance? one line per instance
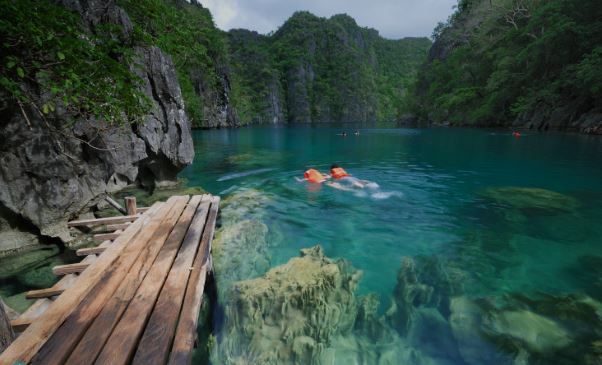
(344, 181)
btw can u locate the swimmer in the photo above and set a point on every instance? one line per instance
(315, 176)
(357, 133)
(345, 181)
(344, 134)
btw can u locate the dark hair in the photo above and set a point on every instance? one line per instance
(334, 166)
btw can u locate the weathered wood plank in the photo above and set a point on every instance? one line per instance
(27, 345)
(106, 236)
(121, 345)
(101, 221)
(69, 268)
(185, 335)
(92, 342)
(65, 338)
(156, 341)
(141, 210)
(33, 312)
(118, 226)
(90, 251)
(44, 293)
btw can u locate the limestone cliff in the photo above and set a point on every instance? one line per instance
(50, 171)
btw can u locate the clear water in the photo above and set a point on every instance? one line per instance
(436, 197)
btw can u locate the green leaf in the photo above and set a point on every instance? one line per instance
(10, 64)
(20, 72)
(60, 55)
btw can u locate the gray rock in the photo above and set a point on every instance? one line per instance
(50, 174)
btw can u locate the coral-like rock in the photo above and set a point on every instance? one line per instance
(292, 313)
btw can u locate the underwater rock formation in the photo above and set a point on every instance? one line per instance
(518, 329)
(292, 313)
(240, 247)
(422, 282)
(531, 199)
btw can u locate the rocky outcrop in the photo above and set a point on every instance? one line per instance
(318, 70)
(50, 173)
(292, 313)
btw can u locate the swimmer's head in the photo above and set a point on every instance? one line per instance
(334, 166)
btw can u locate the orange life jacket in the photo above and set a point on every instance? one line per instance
(338, 173)
(313, 176)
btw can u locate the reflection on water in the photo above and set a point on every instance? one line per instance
(480, 249)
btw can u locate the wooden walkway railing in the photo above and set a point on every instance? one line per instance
(134, 299)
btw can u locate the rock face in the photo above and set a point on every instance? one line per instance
(49, 174)
(318, 70)
(292, 313)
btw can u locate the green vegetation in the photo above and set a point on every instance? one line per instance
(495, 61)
(318, 69)
(187, 33)
(45, 47)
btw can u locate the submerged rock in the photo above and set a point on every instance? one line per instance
(521, 330)
(423, 282)
(531, 198)
(291, 314)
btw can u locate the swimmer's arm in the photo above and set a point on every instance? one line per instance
(336, 185)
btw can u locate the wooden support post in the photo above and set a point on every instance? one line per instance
(90, 251)
(116, 205)
(130, 205)
(106, 236)
(69, 269)
(6, 331)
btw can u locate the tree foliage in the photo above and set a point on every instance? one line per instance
(48, 61)
(512, 57)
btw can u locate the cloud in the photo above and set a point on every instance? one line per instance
(392, 18)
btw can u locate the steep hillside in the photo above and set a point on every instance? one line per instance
(322, 70)
(526, 63)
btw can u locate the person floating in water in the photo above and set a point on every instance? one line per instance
(341, 179)
(344, 134)
(357, 133)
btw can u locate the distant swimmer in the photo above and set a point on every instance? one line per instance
(357, 133)
(516, 134)
(344, 134)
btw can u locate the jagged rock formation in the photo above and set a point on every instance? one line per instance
(49, 173)
(292, 313)
(315, 70)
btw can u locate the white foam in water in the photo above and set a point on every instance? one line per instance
(372, 185)
(243, 174)
(382, 195)
(229, 190)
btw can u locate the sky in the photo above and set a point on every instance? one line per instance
(392, 18)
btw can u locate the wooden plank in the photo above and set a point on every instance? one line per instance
(44, 293)
(118, 226)
(141, 210)
(65, 338)
(106, 236)
(69, 268)
(115, 205)
(156, 341)
(90, 251)
(130, 205)
(92, 342)
(33, 312)
(121, 345)
(185, 335)
(27, 345)
(101, 221)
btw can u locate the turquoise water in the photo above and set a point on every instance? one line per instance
(519, 216)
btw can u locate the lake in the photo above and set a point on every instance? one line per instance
(476, 246)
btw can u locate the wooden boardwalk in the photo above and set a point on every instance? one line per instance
(134, 299)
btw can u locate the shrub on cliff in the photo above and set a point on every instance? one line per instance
(48, 61)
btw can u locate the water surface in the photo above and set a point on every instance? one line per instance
(519, 216)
